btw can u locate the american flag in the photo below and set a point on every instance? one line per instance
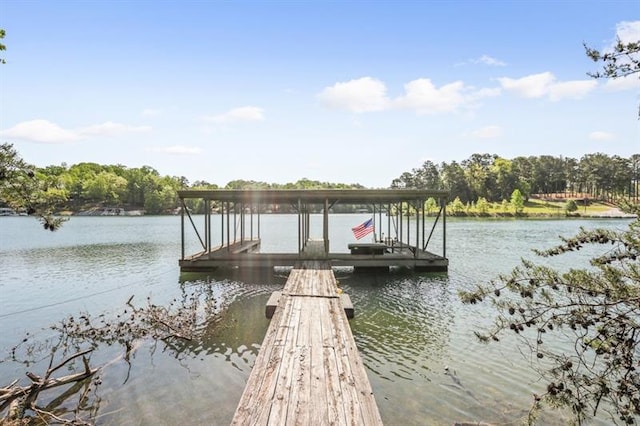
(363, 229)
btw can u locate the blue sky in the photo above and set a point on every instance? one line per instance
(352, 92)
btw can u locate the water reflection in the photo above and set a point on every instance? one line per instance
(401, 321)
(237, 330)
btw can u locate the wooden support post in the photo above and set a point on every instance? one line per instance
(444, 229)
(182, 227)
(423, 221)
(222, 210)
(300, 246)
(415, 253)
(228, 227)
(325, 226)
(401, 220)
(207, 224)
(389, 222)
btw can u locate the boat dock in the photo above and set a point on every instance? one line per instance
(402, 229)
(308, 369)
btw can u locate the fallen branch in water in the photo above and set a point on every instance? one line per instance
(20, 399)
(176, 323)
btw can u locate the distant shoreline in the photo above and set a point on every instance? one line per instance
(613, 213)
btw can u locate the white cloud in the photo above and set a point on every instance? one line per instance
(40, 131)
(532, 86)
(629, 82)
(150, 112)
(421, 95)
(576, 89)
(487, 132)
(488, 60)
(44, 131)
(247, 113)
(601, 136)
(178, 150)
(110, 129)
(365, 94)
(483, 60)
(544, 84)
(628, 31)
(485, 93)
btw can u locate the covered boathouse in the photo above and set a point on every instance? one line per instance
(402, 228)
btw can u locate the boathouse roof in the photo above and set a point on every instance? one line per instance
(313, 196)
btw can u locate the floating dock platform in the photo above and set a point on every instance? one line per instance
(398, 214)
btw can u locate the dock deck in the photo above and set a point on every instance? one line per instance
(308, 369)
(245, 255)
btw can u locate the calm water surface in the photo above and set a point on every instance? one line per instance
(415, 336)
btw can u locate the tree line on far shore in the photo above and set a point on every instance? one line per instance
(480, 179)
(494, 179)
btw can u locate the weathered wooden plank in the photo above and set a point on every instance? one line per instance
(324, 369)
(261, 384)
(335, 405)
(281, 329)
(292, 282)
(281, 321)
(312, 283)
(300, 402)
(275, 411)
(347, 353)
(321, 411)
(329, 338)
(307, 313)
(329, 284)
(291, 339)
(350, 397)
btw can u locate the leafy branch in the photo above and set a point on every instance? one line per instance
(620, 62)
(581, 327)
(22, 189)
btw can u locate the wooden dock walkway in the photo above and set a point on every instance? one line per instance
(308, 370)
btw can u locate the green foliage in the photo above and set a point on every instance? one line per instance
(86, 185)
(494, 178)
(160, 201)
(593, 309)
(303, 183)
(105, 187)
(482, 206)
(517, 201)
(571, 206)
(431, 205)
(456, 207)
(2, 46)
(622, 61)
(23, 188)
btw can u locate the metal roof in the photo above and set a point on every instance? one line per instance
(313, 196)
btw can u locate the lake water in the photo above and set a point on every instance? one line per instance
(415, 337)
